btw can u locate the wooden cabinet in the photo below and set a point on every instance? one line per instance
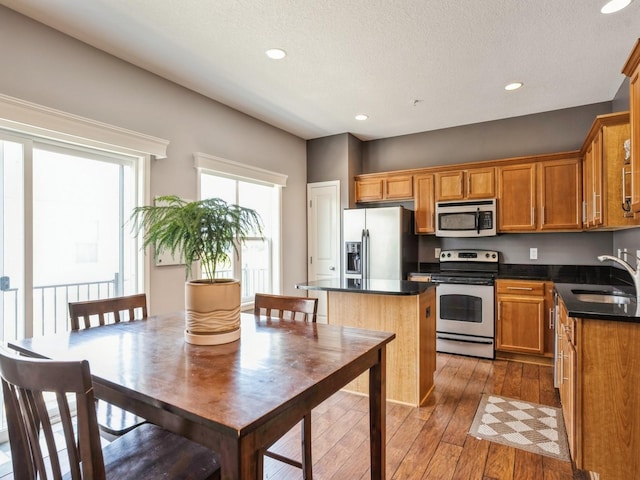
(383, 187)
(606, 178)
(468, 184)
(516, 197)
(520, 322)
(632, 70)
(540, 196)
(567, 374)
(600, 394)
(424, 203)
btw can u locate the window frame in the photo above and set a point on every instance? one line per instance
(210, 165)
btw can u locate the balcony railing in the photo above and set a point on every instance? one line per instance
(50, 310)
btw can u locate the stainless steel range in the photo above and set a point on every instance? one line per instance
(465, 322)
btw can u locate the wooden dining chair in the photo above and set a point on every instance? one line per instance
(114, 421)
(98, 310)
(306, 309)
(39, 450)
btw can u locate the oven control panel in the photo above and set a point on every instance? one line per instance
(487, 256)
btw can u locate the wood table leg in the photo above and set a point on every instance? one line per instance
(377, 416)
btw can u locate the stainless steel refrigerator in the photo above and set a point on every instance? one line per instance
(379, 243)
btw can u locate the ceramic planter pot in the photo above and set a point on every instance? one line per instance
(212, 311)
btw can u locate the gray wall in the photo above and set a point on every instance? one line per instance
(580, 248)
(620, 102)
(337, 157)
(46, 67)
(549, 132)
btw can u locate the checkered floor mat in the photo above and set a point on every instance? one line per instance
(525, 425)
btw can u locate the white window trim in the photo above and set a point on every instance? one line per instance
(26, 117)
(238, 171)
(205, 163)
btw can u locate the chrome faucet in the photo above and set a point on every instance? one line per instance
(635, 273)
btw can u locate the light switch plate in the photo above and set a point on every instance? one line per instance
(437, 252)
(533, 253)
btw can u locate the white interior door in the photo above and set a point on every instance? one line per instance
(323, 237)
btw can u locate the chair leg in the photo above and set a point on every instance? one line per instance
(307, 464)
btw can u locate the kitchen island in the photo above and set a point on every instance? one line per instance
(405, 308)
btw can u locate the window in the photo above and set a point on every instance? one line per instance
(64, 210)
(257, 264)
(67, 186)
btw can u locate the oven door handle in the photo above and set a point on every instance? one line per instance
(481, 342)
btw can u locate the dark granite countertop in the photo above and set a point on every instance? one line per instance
(373, 286)
(591, 274)
(604, 311)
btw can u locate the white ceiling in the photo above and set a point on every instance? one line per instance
(364, 56)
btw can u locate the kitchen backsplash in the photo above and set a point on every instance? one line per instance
(579, 248)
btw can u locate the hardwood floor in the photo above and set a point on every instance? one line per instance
(429, 442)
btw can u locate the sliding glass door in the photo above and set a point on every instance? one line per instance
(64, 230)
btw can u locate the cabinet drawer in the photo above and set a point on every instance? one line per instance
(520, 287)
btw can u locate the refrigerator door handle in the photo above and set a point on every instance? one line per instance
(365, 260)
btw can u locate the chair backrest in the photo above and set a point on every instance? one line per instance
(101, 308)
(305, 307)
(34, 453)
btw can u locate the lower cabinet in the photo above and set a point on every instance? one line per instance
(521, 316)
(600, 394)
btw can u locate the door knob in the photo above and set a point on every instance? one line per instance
(332, 268)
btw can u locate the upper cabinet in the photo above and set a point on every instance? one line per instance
(606, 176)
(632, 70)
(472, 183)
(540, 196)
(424, 203)
(384, 187)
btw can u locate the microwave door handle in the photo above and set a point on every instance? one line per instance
(478, 220)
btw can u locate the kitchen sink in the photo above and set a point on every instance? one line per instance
(603, 297)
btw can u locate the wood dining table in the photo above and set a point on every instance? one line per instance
(237, 398)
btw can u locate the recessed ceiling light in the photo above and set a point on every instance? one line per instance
(276, 53)
(361, 116)
(614, 6)
(513, 86)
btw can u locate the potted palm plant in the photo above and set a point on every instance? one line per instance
(207, 231)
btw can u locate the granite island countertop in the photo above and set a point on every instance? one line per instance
(372, 286)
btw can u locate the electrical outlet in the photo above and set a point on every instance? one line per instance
(437, 252)
(533, 253)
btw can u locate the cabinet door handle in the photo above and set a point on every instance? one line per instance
(551, 316)
(520, 288)
(596, 213)
(499, 310)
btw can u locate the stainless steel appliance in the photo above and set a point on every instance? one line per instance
(379, 243)
(465, 322)
(470, 218)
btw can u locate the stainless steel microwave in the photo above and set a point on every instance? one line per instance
(466, 218)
